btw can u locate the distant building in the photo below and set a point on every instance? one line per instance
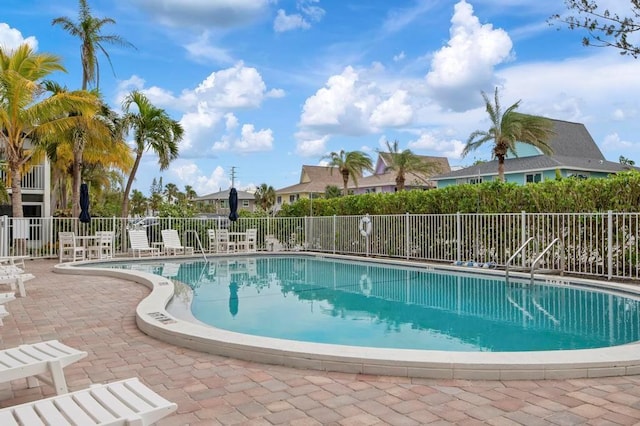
(385, 181)
(575, 154)
(313, 182)
(218, 202)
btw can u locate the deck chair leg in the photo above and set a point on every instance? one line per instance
(20, 283)
(32, 382)
(57, 377)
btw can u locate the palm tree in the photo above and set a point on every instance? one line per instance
(171, 191)
(139, 203)
(265, 196)
(28, 118)
(403, 162)
(152, 129)
(508, 128)
(101, 131)
(349, 164)
(88, 29)
(332, 191)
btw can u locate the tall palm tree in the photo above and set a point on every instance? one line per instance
(28, 117)
(405, 161)
(153, 130)
(349, 164)
(171, 191)
(265, 196)
(89, 30)
(101, 131)
(508, 128)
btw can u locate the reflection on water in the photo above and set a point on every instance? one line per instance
(353, 303)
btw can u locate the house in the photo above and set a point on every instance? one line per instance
(313, 183)
(575, 154)
(385, 181)
(218, 202)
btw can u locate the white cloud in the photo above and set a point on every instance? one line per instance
(189, 172)
(466, 64)
(252, 141)
(394, 112)
(284, 22)
(308, 12)
(312, 147)
(399, 57)
(11, 38)
(439, 147)
(202, 50)
(205, 13)
(236, 87)
(613, 142)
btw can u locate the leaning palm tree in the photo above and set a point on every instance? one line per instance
(265, 196)
(508, 128)
(153, 130)
(27, 117)
(403, 162)
(349, 164)
(89, 30)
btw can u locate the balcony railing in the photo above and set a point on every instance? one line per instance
(32, 180)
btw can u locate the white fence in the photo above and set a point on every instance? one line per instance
(596, 244)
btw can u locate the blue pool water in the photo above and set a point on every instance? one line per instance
(326, 300)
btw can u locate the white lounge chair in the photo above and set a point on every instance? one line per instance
(32, 361)
(126, 402)
(15, 278)
(172, 243)
(7, 297)
(140, 243)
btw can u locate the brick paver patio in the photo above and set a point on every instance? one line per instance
(96, 314)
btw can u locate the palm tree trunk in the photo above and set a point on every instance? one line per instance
(501, 168)
(400, 183)
(16, 190)
(127, 190)
(77, 177)
(345, 181)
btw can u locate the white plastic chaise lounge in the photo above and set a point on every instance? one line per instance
(15, 278)
(32, 361)
(172, 243)
(126, 402)
(140, 243)
(3, 313)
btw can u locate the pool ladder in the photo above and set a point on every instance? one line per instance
(199, 244)
(537, 259)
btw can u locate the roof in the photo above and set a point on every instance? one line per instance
(382, 178)
(224, 195)
(573, 148)
(314, 179)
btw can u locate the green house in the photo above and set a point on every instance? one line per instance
(575, 154)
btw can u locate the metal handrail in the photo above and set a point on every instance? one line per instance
(522, 247)
(537, 259)
(200, 245)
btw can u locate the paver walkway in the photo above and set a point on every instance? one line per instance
(96, 314)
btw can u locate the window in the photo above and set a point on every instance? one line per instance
(279, 199)
(245, 203)
(475, 180)
(293, 198)
(533, 178)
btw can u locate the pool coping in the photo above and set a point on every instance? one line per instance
(153, 319)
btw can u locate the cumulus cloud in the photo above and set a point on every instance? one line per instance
(204, 13)
(312, 147)
(236, 87)
(393, 112)
(252, 141)
(308, 12)
(187, 171)
(466, 65)
(10, 38)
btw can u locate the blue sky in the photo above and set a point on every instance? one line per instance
(263, 87)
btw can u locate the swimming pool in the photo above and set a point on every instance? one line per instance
(458, 311)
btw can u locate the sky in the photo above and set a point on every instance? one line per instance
(263, 87)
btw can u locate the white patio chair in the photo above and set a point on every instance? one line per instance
(223, 243)
(250, 241)
(103, 247)
(211, 234)
(69, 249)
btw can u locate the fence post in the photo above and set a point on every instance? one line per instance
(334, 233)
(406, 231)
(609, 244)
(4, 233)
(458, 236)
(523, 236)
